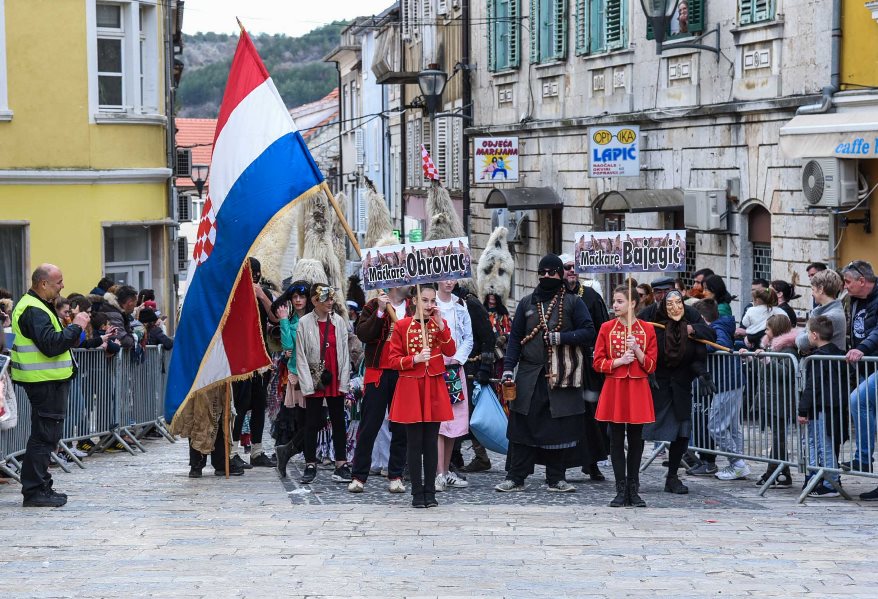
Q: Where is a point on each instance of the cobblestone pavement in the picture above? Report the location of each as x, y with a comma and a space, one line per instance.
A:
136, 526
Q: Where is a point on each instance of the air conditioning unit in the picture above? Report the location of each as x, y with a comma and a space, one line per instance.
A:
829, 182
705, 209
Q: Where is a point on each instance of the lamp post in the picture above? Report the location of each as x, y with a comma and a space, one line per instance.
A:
432, 83
659, 14
199, 176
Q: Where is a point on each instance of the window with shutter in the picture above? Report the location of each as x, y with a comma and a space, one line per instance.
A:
441, 156
456, 161
513, 51
442, 7
694, 24
615, 31
493, 31
597, 18
559, 29
182, 254
360, 146
755, 11
361, 209
426, 11
184, 212
410, 171
406, 17
535, 30
581, 25
426, 138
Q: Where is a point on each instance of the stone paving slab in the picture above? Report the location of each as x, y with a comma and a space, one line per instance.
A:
137, 526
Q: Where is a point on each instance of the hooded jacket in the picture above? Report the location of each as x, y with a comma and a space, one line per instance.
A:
822, 383
117, 318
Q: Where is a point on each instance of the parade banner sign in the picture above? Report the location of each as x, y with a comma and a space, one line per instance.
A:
614, 151
630, 251
416, 263
495, 159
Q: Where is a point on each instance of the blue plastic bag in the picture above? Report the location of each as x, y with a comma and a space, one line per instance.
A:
488, 422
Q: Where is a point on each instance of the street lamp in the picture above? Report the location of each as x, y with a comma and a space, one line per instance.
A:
199, 176
659, 14
432, 83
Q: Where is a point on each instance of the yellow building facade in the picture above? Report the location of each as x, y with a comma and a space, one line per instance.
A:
84, 142
859, 70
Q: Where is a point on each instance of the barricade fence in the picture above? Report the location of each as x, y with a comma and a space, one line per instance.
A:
754, 416
116, 399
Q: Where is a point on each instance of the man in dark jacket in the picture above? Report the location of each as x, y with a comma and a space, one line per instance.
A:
860, 283
593, 447
43, 365
480, 365
549, 331
373, 328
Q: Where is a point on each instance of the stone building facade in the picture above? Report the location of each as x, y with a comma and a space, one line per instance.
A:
546, 71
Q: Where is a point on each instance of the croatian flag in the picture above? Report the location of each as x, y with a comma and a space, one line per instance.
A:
259, 169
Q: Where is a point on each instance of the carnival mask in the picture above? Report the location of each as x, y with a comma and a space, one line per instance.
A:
674, 305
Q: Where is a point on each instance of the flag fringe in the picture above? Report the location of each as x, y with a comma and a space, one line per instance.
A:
279, 215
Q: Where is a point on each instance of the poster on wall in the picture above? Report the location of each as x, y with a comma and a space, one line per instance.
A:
495, 159
614, 151
415, 263
630, 251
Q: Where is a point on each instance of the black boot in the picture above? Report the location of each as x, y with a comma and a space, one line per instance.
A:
674, 485
621, 494
634, 499
283, 454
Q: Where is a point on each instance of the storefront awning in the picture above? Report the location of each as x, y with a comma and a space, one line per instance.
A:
851, 134
524, 198
639, 200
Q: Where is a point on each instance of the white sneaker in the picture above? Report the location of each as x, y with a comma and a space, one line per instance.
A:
733, 472
453, 480
440, 483
355, 486
605, 464
396, 486
78, 452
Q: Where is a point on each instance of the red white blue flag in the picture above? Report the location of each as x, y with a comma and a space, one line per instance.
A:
259, 169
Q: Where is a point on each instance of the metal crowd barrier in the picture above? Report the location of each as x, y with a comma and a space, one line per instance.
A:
839, 399
116, 399
752, 416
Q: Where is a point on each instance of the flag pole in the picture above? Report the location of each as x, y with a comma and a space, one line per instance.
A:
226, 409
629, 308
341, 218
421, 318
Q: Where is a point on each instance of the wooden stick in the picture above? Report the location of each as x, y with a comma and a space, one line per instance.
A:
704, 341
341, 218
421, 318
226, 410
628, 328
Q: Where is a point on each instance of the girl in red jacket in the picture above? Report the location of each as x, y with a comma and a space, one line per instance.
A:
421, 400
626, 353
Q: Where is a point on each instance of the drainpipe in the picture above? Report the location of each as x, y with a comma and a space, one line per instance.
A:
340, 129
835, 67
170, 142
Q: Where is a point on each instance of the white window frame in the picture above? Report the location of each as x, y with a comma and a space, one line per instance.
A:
5, 112
141, 87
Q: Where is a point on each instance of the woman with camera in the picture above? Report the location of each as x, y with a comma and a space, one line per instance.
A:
324, 372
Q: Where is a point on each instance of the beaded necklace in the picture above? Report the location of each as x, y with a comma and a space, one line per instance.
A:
545, 315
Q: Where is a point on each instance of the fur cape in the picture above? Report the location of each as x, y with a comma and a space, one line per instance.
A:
379, 224
318, 240
496, 266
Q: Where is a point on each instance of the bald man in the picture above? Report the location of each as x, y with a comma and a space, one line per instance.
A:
43, 365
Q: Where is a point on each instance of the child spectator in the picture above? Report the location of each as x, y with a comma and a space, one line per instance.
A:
153, 333
755, 318
821, 406
724, 416
626, 352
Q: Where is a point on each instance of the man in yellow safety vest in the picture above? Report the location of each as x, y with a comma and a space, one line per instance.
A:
43, 365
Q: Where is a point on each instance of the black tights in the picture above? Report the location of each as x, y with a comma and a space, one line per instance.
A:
617, 449
675, 454
422, 446
315, 420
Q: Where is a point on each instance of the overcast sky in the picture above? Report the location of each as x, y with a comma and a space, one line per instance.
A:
292, 17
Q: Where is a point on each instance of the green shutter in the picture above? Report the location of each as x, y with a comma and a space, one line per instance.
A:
650, 34
763, 10
535, 26
559, 29
597, 18
745, 12
696, 16
615, 29
581, 41
492, 36
514, 50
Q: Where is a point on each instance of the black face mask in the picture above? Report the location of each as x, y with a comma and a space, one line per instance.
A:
550, 284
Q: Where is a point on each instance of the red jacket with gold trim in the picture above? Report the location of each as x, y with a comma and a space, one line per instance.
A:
611, 344
407, 341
